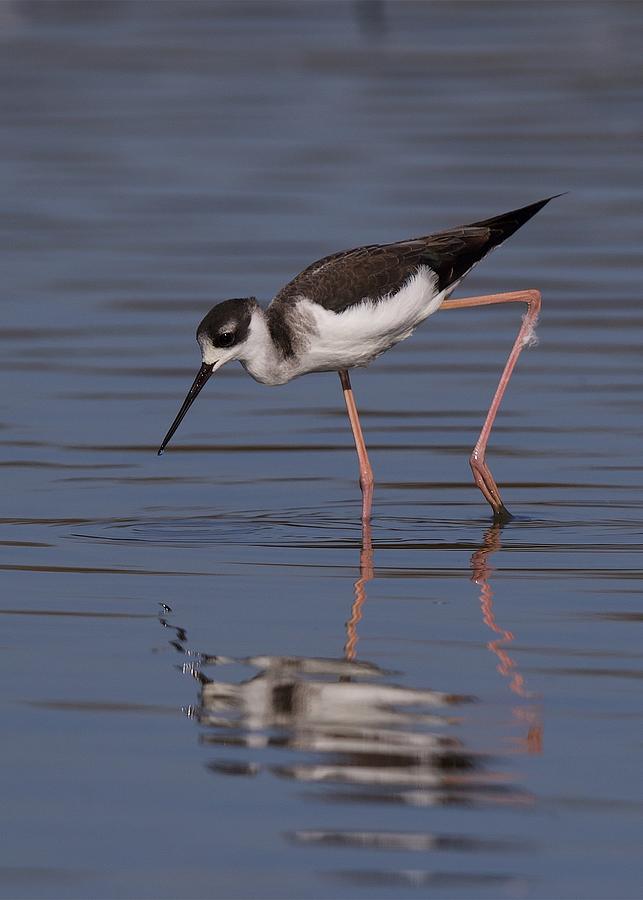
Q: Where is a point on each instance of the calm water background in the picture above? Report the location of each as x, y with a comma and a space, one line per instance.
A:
485, 740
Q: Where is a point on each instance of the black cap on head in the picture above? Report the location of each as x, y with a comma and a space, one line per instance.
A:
227, 323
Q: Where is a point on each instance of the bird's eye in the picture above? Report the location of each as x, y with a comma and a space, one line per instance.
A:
225, 339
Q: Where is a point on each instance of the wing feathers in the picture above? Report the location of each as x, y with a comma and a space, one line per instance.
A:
349, 277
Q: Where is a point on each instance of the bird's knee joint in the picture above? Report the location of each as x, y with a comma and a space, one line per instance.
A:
530, 319
534, 302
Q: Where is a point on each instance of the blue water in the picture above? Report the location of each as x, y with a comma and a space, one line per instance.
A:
209, 689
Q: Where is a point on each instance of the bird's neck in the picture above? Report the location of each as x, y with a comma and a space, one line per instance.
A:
263, 358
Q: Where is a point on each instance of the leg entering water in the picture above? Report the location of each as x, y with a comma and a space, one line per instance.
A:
366, 552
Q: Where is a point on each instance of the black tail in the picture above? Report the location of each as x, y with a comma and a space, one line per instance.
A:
503, 226
453, 253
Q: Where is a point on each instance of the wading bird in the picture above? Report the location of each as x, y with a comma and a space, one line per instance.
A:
348, 308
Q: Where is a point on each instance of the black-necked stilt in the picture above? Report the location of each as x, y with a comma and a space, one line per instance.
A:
348, 308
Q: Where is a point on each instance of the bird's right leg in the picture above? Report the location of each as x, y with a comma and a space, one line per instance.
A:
481, 472
366, 480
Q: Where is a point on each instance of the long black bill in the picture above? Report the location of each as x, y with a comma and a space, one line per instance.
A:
204, 373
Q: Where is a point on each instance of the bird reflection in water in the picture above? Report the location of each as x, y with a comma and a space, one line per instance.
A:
372, 740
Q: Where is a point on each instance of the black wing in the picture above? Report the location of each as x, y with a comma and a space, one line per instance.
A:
346, 278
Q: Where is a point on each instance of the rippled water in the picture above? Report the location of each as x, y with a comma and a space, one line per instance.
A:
211, 687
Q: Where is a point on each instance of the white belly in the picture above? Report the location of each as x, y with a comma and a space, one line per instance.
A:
361, 333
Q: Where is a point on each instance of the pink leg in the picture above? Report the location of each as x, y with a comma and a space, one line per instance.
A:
366, 483
481, 473
365, 470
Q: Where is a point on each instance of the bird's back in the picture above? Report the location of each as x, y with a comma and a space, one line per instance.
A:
372, 272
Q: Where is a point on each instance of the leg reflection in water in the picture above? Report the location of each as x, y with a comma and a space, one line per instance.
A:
481, 572
366, 573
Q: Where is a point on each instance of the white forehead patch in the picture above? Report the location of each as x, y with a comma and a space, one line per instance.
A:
208, 350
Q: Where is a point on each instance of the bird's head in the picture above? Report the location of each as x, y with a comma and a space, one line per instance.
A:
222, 336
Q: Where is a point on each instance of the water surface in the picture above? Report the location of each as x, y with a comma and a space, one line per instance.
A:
210, 688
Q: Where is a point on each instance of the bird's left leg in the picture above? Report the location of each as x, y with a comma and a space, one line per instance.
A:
366, 480
481, 473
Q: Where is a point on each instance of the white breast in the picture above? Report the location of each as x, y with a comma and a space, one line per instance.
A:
359, 334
